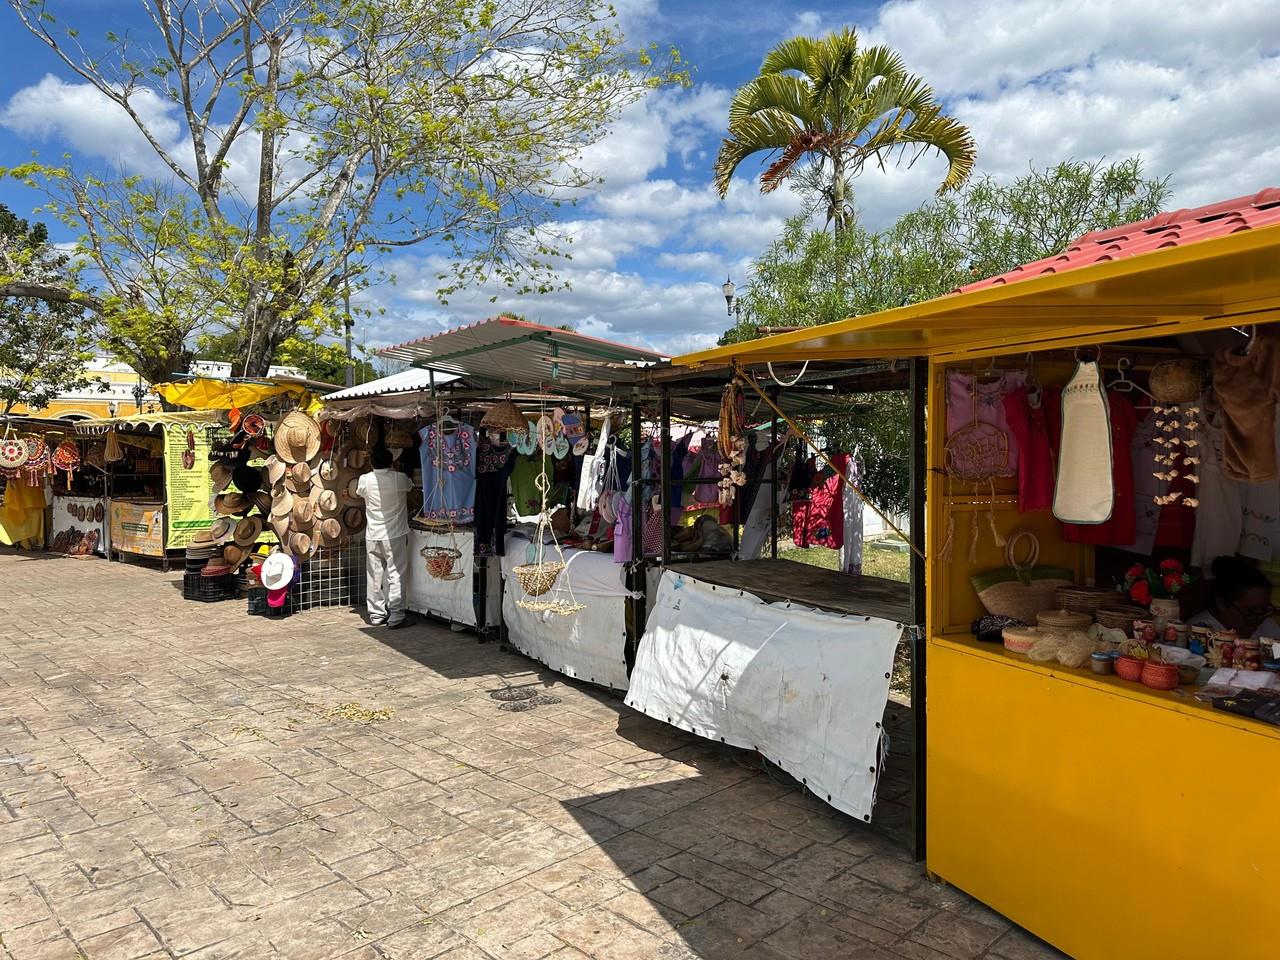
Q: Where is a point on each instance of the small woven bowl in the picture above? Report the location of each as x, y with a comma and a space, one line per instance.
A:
1020, 639
1129, 668
1159, 676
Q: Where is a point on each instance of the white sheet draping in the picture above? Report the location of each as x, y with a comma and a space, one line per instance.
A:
805, 688
589, 645
451, 600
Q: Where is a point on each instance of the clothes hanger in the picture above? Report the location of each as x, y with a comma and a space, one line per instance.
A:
1122, 383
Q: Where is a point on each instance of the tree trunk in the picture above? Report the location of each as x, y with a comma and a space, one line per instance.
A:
837, 210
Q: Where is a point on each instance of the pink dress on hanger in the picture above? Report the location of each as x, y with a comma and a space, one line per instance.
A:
968, 400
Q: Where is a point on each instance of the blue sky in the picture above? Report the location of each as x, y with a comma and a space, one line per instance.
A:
1189, 84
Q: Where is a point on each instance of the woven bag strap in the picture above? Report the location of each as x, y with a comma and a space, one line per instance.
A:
1033, 554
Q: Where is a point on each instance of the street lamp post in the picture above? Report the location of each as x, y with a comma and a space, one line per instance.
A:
731, 300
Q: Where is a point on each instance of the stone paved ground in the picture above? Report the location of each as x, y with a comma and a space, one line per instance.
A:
174, 783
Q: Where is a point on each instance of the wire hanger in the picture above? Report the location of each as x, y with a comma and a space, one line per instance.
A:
1122, 383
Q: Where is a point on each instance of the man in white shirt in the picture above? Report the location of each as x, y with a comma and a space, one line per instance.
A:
386, 538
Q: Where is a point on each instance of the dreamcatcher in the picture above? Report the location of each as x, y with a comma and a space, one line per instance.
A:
976, 453
538, 577
441, 559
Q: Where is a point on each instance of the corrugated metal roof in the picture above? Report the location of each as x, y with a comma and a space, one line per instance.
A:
516, 353
414, 378
1179, 228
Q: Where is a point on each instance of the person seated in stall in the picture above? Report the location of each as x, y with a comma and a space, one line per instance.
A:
1239, 600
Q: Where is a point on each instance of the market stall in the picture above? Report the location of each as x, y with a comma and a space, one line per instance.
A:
1101, 458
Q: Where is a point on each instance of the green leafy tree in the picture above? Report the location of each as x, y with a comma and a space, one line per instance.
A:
840, 107
811, 276
359, 127
44, 345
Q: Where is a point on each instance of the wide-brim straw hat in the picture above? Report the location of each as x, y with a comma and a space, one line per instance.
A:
304, 514
262, 501
220, 529
281, 528
235, 555
398, 438
282, 504
220, 475
330, 530
300, 544
247, 531
326, 501
328, 470
353, 519
357, 459
300, 473
348, 492
297, 437
230, 504
276, 469
504, 415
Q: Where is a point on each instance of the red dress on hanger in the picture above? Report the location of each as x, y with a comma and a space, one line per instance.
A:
819, 521
1035, 453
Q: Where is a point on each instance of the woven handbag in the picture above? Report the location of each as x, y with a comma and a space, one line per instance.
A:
1021, 589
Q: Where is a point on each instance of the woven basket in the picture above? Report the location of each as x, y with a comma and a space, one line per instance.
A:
440, 561
1177, 381
504, 415
1021, 589
1084, 599
1020, 639
1063, 621
1120, 616
537, 578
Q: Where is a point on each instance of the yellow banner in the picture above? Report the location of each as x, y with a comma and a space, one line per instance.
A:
187, 486
137, 528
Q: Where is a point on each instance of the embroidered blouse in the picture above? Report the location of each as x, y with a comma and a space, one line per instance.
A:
448, 473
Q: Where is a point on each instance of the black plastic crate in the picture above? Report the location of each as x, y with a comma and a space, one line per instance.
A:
258, 601
196, 586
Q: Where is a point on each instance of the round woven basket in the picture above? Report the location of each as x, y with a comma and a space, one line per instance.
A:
1063, 621
537, 578
1020, 639
1084, 599
1177, 381
440, 561
504, 415
1120, 616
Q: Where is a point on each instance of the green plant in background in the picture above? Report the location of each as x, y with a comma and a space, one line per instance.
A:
841, 107
356, 127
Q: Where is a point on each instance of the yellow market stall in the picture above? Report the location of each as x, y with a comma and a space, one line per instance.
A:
1108, 816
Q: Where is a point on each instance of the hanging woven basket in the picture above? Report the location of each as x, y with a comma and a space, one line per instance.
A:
440, 561
1177, 381
537, 578
504, 415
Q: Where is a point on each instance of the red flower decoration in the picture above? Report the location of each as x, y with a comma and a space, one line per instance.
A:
1141, 592
1172, 582
1136, 572
1170, 566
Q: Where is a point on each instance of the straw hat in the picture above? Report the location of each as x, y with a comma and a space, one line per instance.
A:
229, 504
353, 519
220, 475
282, 504
304, 514
300, 474
202, 537
325, 500
330, 530
297, 437
275, 468
300, 544
328, 470
349, 494
281, 528
235, 555
262, 501
503, 415
398, 438
221, 527
277, 571
247, 531
95, 456
357, 459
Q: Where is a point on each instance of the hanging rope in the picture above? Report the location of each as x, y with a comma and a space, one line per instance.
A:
827, 460
803, 367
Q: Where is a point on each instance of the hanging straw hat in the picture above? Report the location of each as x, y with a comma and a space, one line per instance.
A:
262, 501
353, 519
220, 475
348, 493
221, 527
275, 468
13, 453
300, 544
282, 504
357, 459
229, 504
325, 500
330, 530
297, 437
247, 531
503, 415
96, 456
304, 514
300, 474
280, 525
235, 555
328, 470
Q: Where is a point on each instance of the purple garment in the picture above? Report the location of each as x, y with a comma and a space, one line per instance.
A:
968, 401
709, 470
623, 535
448, 473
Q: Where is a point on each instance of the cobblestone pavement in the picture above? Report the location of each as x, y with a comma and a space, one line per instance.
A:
182, 780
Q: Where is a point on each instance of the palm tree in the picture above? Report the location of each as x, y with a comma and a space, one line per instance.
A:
827, 100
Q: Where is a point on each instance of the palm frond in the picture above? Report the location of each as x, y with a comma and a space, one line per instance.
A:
793, 54
928, 130
772, 91
805, 142
763, 131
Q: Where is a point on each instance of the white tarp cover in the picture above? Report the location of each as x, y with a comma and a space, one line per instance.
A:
803, 687
451, 600
589, 645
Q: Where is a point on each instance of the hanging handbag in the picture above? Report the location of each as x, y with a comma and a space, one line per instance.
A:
652, 529
594, 468
1020, 590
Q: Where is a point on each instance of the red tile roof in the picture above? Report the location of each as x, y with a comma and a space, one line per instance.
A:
1179, 228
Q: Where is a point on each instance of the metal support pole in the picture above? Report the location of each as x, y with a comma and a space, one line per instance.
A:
638, 577
773, 487
664, 476
919, 386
